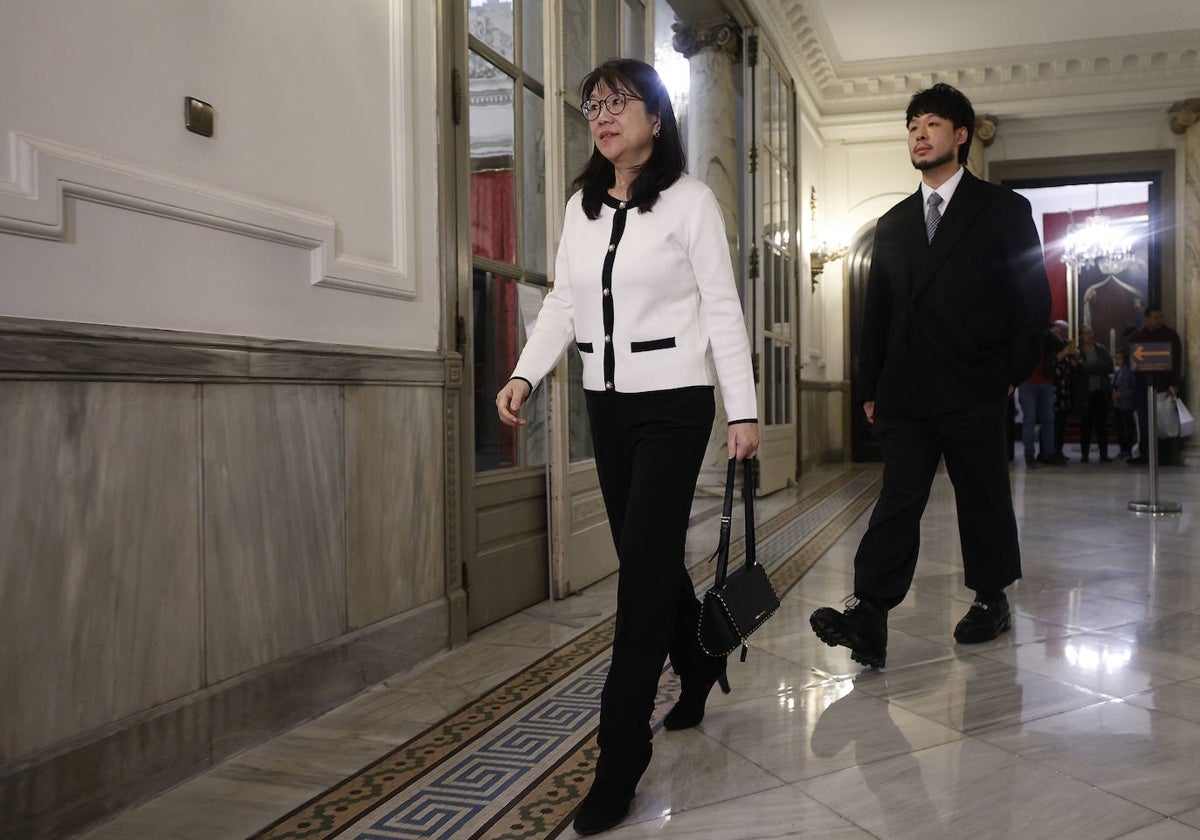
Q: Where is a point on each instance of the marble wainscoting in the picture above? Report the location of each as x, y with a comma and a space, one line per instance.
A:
824, 422
204, 540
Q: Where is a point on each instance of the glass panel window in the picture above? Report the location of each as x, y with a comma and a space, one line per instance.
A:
580, 440
504, 312
607, 21
534, 182
493, 204
635, 29
497, 344
531, 38
491, 21
578, 145
576, 45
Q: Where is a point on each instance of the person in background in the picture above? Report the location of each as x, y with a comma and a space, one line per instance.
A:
1123, 406
1095, 366
644, 288
1066, 360
1037, 403
1156, 331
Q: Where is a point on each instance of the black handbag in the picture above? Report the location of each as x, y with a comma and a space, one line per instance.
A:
740, 601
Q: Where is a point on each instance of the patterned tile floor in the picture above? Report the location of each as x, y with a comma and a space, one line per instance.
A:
1084, 722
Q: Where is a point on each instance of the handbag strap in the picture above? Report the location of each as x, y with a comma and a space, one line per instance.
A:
748, 504
722, 555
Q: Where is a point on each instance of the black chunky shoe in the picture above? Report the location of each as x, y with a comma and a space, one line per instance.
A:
693, 693
862, 627
984, 621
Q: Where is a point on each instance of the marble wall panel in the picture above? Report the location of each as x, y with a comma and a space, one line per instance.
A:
99, 555
274, 532
824, 422
395, 489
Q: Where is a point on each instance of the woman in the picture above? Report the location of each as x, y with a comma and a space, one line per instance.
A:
1095, 365
644, 286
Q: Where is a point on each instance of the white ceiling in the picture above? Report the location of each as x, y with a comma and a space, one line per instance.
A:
1032, 56
865, 30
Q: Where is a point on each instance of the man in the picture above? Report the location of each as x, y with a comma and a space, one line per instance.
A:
1155, 331
957, 300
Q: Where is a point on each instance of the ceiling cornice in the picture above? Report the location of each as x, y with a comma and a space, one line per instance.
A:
1066, 77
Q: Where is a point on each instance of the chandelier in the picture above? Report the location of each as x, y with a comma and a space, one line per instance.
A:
1097, 242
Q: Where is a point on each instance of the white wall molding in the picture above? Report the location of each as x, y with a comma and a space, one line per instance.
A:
44, 173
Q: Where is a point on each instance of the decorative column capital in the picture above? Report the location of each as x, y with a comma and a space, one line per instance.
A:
1184, 114
985, 129
725, 37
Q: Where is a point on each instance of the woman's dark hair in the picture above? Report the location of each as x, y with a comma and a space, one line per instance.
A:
949, 103
666, 162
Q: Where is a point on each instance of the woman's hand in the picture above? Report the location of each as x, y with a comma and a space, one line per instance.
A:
509, 401
743, 440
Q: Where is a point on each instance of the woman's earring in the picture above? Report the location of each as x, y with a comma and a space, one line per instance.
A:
657, 132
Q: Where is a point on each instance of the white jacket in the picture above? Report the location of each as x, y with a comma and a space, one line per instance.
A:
644, 296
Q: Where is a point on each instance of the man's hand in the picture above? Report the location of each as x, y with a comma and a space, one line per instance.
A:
869, 410
509, 401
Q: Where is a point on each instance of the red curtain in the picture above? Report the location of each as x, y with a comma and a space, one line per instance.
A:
493, 215
494, 236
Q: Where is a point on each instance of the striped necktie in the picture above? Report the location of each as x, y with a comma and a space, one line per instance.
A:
932, 216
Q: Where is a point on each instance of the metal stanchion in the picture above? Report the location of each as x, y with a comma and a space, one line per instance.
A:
1153, 504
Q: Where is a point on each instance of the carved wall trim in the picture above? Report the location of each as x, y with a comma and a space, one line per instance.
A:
45, 173
1184, 115
33, 349
985, 129
723, 38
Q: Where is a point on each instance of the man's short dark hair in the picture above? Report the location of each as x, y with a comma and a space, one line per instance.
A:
949, 103
1152, 308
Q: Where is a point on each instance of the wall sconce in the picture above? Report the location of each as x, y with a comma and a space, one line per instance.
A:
821, 253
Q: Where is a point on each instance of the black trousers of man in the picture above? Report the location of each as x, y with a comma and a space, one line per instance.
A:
649, 448
972, 442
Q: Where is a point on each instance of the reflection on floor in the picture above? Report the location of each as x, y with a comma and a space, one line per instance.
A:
1083, 722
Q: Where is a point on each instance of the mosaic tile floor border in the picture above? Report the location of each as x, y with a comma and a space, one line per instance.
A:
545, 809
355, 798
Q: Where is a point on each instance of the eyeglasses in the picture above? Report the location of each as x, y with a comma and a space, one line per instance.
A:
614, 102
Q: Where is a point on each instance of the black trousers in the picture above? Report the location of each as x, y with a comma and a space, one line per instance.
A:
1095, 418
973, 444
649, 448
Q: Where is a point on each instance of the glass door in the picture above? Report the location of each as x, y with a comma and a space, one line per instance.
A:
505, 110
771, 232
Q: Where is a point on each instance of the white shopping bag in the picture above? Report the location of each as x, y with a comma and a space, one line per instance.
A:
1172, 417
1187, 423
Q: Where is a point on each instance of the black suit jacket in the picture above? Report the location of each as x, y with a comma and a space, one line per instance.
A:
949, 325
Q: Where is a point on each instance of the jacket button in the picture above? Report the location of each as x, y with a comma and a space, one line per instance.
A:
608, 386
622, 205
607, 292
608, 339
612, 248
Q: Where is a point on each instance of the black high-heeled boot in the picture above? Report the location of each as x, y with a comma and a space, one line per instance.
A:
693, 694
607, 803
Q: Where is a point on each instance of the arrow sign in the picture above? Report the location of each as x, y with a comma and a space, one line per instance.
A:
1150, 357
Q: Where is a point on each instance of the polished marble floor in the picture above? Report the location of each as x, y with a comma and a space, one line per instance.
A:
1082, 723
